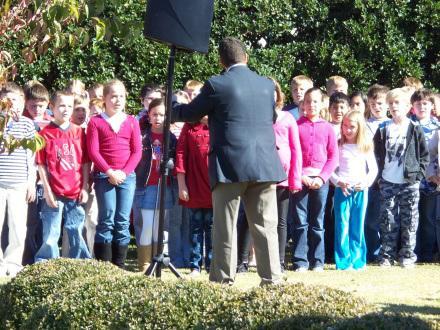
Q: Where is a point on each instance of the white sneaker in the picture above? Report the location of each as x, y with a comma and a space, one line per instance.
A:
194, 273
300, 270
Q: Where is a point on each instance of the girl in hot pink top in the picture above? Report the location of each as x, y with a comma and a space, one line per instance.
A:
319, 160
114, 145
289, 151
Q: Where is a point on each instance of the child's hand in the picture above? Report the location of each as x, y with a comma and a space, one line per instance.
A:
345, 187
359, 187
183, 193
83, 196
50, 198
316, 183
306, 180
115, 177
294, 191
121, 176
434, 179
30, 193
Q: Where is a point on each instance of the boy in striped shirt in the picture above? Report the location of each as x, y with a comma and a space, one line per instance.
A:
17, 182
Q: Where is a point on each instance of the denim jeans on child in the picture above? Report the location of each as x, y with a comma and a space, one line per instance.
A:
114, 207
73, 215
201, 232
308, 227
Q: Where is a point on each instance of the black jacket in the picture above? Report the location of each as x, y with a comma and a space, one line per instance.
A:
240, 107
416, 152
143, 169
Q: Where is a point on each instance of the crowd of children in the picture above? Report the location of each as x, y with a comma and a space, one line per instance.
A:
362, 177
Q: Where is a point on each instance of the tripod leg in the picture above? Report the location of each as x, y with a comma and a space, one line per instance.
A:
150, 271
174, 270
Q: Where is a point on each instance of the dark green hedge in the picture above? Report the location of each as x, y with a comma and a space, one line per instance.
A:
73, 294
366, 41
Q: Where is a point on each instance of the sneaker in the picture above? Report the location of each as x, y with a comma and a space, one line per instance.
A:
242, 268
300, 269
318, 269
407, 263
385, 263
194, 273
283, 267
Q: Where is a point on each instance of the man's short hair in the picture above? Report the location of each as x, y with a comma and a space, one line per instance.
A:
231, 51
34, 90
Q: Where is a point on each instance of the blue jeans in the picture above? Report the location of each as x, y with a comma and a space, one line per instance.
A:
73, 215
426, 242
372, 224
114, 207
308, 227
201, 231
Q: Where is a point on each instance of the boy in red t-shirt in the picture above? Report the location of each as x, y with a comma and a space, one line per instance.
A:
64, 168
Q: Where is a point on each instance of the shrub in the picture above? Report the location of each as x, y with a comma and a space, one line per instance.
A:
89, 294
37, 282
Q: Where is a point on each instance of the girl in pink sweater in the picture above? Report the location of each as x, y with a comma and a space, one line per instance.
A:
289, 150
319, 160
114, 145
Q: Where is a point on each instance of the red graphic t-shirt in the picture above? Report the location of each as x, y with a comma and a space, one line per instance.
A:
64, 154
156, 142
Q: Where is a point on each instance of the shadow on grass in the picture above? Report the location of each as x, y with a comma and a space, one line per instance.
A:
402, 308
383, 321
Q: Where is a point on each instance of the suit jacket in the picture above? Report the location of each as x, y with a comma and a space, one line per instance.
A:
240, 106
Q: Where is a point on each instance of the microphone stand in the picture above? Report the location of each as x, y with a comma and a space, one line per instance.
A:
163, 260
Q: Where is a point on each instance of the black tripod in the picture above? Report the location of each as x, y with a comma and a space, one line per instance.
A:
161, 260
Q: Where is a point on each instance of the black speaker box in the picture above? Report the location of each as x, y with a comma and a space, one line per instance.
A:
185, 24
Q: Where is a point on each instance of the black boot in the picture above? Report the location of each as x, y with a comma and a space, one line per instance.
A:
119, 255
103, 251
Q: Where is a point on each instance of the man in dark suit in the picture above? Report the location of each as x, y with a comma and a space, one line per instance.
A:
243, 161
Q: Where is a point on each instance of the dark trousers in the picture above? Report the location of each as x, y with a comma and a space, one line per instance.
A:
243, 237
283, 196
372, 224
34, 231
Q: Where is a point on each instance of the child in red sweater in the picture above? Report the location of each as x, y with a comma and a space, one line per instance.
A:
114, 144
194, 191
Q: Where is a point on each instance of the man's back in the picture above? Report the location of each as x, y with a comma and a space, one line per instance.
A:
240, 107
